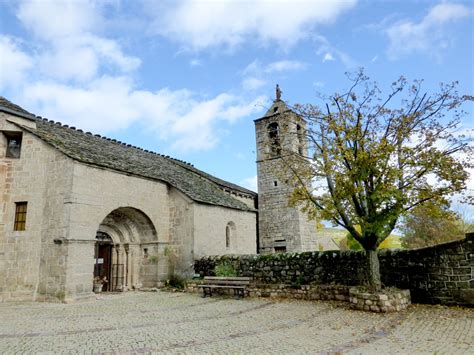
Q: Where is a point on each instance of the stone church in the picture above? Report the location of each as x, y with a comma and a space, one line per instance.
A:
75, 206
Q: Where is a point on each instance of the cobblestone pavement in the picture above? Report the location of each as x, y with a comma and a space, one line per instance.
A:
164, 322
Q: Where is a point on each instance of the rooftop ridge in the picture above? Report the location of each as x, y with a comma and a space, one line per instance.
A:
112, 140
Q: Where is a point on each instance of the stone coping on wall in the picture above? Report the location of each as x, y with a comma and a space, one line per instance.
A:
386, 300
390, 301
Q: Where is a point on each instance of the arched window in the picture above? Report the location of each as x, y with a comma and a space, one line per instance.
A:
274, 136
229, 234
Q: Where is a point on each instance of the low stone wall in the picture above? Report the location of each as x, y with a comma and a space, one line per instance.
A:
443, 274
344, 268
440, 274
304, 292
388, 300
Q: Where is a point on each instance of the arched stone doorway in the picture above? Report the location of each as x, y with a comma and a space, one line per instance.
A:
126, 241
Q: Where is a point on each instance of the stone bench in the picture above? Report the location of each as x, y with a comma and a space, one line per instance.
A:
237, 284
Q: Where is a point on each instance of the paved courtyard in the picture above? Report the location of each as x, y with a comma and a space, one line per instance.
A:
164, 322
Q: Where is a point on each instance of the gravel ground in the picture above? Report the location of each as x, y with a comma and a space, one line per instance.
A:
163, 322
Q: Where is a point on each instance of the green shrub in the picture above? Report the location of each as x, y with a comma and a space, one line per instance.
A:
176, 281
153, 259
225, 269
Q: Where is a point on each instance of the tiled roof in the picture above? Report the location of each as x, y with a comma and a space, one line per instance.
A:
107, 153
13, 107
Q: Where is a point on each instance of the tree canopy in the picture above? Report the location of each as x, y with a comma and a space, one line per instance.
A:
430, 224
374, 157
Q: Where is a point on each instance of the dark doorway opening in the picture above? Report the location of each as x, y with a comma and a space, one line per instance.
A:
103, 259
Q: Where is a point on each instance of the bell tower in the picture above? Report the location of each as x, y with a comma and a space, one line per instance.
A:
282, 228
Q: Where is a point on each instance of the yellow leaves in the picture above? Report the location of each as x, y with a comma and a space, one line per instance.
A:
391, 242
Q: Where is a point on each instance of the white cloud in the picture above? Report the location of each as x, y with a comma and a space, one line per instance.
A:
86, 80
256, 74
258, 69
112, 103
252, 83
67, 48
53, 19
328, 57
197, 25
284, 65
14, 63
195, 63
102, 106
429, 35
250, 183
329, 52
80, 58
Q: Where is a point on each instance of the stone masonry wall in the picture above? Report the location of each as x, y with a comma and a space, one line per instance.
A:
210, 231
22, 252
280, 225
441, 274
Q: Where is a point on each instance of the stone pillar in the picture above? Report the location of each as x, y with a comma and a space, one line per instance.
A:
126, 270
118, 272
79, 269
136, 257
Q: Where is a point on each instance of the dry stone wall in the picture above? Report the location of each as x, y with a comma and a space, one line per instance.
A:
441, 274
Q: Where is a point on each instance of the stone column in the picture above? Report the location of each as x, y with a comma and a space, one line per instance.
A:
118, 250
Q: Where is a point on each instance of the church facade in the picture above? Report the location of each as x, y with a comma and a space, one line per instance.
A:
76, 206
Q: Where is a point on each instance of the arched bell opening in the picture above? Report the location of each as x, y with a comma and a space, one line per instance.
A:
125, 239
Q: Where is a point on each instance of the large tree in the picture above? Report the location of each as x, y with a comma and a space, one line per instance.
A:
432, 223
374, 157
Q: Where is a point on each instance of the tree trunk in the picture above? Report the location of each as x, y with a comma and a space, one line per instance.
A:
374, 270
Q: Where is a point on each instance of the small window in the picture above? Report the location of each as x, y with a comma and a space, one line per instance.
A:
275, 183
299, 133
229, 234
13, 145
280, 249
20, 216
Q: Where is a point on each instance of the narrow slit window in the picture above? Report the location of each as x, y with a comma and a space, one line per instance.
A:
299, 132
20, 216
229, 234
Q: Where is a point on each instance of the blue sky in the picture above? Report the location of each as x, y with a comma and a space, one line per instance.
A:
187, 79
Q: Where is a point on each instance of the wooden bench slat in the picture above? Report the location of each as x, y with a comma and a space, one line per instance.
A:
238, 284
227, 283
227, 278
220, 286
